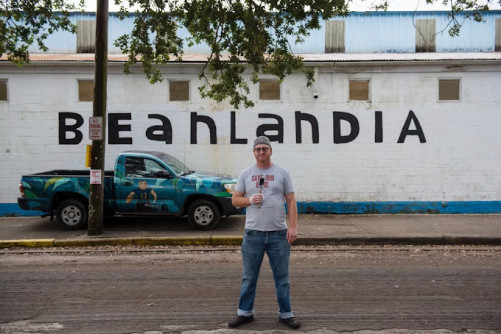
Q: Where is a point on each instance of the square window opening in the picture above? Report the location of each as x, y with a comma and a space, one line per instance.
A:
448, 90
86, 90
359, 90
179, 90
269, 90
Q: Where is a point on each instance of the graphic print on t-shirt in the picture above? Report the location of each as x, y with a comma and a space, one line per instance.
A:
267, 178
262, 182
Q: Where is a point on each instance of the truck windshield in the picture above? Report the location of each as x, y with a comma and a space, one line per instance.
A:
177, 166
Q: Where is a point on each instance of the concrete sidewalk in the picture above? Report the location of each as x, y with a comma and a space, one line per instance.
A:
391, 229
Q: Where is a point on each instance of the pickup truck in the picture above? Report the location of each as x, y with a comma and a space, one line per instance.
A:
142, 183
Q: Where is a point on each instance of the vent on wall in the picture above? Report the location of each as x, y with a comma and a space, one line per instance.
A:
86, 36
334, 36
425, 35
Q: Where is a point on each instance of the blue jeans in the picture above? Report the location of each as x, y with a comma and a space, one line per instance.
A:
254, 245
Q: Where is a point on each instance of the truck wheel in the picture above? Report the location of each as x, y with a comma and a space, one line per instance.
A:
203, 214
71, 214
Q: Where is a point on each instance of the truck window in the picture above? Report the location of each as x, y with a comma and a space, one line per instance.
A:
141, 167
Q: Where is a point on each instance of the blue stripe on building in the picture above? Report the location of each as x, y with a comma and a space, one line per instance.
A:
454, 207
432, 207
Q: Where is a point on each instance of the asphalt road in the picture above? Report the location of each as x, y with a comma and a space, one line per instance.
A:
171, 290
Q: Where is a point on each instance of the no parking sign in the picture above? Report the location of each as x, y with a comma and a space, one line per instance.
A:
96, 128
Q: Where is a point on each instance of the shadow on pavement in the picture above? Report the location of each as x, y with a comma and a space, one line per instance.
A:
155, 226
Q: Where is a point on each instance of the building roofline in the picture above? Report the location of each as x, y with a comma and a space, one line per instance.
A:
85, 58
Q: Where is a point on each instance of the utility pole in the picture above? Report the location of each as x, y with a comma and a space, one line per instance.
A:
96, 195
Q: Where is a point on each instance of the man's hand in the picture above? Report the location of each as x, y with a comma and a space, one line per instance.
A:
256, 199
291, 235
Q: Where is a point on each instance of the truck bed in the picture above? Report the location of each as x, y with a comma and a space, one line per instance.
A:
71, 172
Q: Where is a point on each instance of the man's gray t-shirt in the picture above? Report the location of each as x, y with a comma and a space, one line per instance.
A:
270, 216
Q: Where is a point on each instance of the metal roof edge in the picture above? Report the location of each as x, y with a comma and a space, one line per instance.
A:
41, 59
401, 57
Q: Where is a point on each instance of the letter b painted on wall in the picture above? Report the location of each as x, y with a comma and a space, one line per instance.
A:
69, 133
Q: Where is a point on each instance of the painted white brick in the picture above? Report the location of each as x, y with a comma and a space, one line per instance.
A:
460, 160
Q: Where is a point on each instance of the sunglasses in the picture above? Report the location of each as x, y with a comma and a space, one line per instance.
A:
263, 149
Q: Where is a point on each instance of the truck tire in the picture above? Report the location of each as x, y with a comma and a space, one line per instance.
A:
203, 214
71, 214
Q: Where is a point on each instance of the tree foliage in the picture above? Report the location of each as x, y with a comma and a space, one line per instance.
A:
242, 35
26, 22
459, 11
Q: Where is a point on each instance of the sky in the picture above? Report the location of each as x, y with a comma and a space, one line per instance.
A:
357, 5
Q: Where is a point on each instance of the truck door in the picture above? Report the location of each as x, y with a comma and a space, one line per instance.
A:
147, 187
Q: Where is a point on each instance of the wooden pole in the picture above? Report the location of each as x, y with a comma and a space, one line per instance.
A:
96, 195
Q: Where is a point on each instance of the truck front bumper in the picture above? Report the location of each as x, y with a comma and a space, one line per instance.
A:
228, 208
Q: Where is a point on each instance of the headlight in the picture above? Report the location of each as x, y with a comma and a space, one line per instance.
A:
229, 187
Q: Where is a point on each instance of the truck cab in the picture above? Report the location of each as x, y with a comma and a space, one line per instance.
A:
143, 183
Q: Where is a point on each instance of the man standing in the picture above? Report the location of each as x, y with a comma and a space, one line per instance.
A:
262, 188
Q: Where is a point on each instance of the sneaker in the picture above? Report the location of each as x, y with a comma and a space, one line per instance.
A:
291, 322
240, 320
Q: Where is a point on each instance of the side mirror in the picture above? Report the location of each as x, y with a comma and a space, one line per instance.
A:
164, 174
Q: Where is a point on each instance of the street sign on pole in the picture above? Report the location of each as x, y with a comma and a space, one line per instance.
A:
96, 128
95, 176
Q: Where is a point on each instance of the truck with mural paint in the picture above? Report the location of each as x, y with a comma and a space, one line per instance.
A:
142, 183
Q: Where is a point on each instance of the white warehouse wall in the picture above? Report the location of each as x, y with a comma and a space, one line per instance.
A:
460, 160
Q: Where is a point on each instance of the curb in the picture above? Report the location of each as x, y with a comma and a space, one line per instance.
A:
139, 241
27, 243
237, 241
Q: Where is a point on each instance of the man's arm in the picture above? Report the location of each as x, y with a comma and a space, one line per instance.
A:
239, 200
290, 198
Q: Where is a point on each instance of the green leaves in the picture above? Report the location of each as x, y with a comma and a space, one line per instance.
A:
470, 10
459, 11
246, 38
153, 40
241, 35
25, 22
